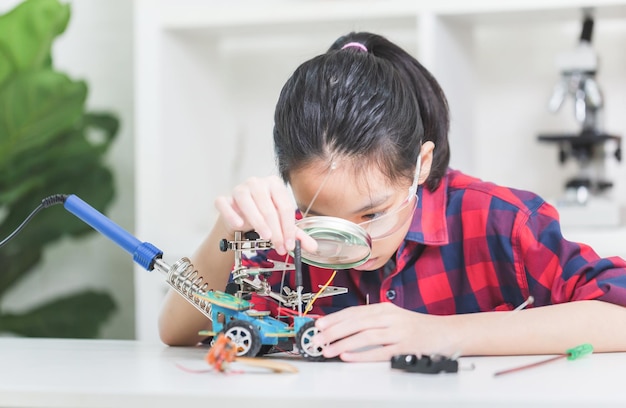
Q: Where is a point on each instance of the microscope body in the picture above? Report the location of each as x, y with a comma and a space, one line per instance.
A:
591, 147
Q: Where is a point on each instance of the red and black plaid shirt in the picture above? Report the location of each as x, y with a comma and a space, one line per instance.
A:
473, 246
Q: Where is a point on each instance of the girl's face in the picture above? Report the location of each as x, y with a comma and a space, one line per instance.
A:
356, 196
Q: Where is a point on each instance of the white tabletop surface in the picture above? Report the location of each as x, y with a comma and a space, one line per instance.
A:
118, 373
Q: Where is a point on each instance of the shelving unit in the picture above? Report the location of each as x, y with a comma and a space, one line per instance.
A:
208, 75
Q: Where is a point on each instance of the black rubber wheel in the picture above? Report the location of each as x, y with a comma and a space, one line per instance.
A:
245, 336
304, 343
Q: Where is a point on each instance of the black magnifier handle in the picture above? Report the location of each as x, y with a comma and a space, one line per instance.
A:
297, 258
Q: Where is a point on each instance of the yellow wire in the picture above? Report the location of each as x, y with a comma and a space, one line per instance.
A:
309, 305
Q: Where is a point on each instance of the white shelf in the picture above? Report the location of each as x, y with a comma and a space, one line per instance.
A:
208, 75
193, 14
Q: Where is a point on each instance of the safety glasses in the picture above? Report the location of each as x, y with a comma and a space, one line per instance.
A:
344, 244
390, 222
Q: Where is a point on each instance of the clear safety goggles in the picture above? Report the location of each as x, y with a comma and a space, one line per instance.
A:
343, 244
390, 222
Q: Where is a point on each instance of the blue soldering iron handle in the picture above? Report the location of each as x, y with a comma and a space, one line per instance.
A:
144, 253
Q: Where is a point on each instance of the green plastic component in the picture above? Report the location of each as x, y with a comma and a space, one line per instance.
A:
225, 300
579, 351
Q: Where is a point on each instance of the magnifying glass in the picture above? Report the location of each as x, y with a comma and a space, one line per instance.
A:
341, 244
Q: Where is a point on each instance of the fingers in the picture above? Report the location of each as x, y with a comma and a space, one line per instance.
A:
379, 353
225, 206
351, 329
308, 244
367, 345
256, 204
351, 320
365, 333
265, 206
282, 216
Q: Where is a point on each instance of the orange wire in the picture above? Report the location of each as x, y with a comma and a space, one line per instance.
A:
309, 305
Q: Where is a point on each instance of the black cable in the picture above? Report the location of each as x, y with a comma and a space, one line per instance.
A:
45, 203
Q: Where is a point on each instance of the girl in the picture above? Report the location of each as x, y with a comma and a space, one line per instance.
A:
355, 129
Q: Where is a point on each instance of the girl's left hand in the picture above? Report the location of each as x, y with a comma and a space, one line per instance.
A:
379, 331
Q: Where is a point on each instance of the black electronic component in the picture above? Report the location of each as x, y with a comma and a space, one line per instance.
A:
433, 364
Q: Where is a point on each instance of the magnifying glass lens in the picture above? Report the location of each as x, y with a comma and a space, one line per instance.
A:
340, 244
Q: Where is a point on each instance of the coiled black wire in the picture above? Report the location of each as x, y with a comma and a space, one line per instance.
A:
45, 203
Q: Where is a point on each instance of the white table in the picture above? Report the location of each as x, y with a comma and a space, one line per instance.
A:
116, 373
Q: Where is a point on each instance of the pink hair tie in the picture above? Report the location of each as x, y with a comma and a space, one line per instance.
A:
355, 45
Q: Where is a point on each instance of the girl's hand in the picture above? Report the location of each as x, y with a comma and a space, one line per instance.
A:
265, 206
379, 331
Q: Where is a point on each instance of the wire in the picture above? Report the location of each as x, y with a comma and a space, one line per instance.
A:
333, 166
45, 203
570, 354
309, 305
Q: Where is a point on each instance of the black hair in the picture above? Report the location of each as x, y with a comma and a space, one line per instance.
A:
379, 104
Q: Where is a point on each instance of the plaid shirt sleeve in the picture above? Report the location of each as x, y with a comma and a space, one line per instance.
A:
559, 271
508, 244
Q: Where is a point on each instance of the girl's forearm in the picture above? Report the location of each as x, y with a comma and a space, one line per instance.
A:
180, 322
542, 330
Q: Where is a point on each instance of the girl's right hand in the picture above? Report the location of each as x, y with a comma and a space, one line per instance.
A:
265, 206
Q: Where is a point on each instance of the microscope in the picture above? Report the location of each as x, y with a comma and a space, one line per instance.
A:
591, 147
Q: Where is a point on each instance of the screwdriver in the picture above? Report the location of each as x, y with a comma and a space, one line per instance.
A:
571, 354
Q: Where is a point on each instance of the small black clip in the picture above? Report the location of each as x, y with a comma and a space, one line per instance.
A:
433, 364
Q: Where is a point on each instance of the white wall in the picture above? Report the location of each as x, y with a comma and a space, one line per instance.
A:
97, 47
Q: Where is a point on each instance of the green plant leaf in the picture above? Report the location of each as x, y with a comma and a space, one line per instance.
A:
27, 33
103, 121
15, 263
42, 167
35, 107
78, 315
